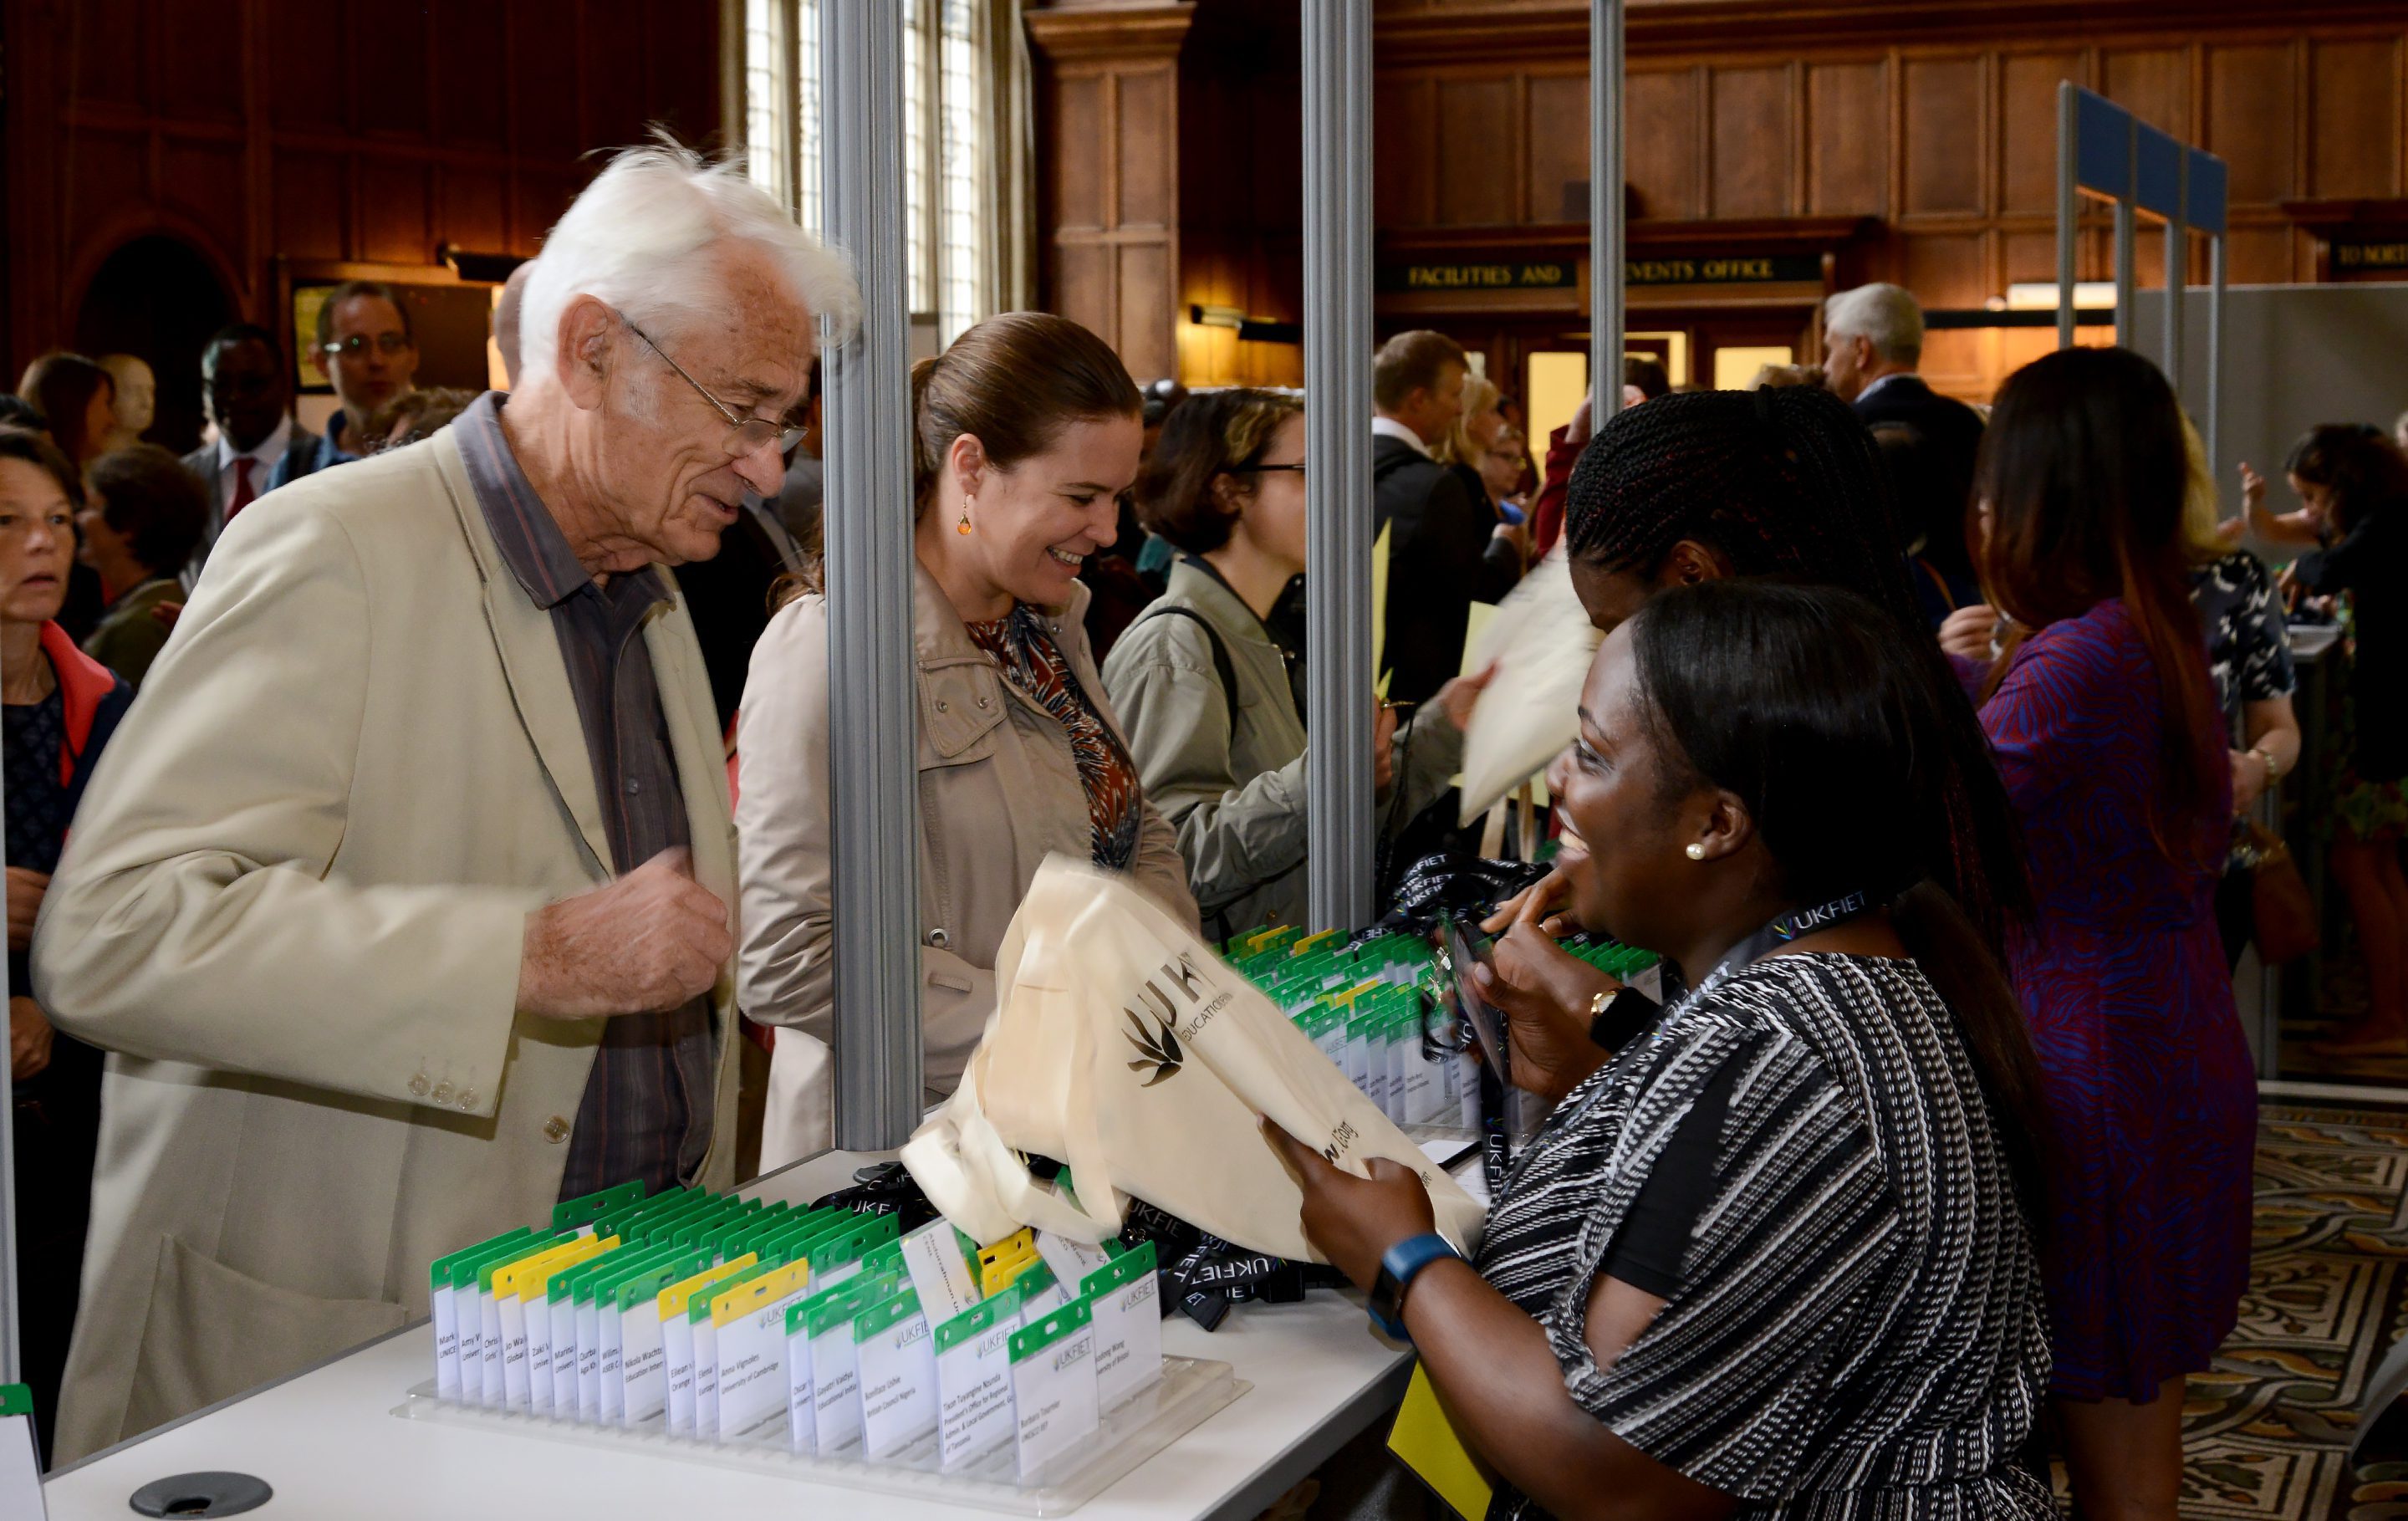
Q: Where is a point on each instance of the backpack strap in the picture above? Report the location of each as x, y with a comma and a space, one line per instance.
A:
1220, 662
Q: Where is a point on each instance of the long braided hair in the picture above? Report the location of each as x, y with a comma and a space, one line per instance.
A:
1786, 483
1782, 479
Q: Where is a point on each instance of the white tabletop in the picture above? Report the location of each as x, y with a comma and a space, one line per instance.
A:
326, 1440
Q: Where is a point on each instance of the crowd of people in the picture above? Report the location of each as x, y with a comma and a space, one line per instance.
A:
478, 782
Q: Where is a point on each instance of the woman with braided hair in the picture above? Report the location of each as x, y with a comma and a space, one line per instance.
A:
1778, 482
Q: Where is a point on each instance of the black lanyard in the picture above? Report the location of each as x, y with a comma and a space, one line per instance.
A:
1784, 930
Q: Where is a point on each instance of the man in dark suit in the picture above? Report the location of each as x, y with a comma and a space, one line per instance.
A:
248, 393
1446, 547
1873, 340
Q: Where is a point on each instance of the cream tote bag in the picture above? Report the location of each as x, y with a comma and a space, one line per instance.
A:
1123, 1047
1542, 643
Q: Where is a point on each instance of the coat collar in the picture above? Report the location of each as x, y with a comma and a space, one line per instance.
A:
939, 635
1195, 584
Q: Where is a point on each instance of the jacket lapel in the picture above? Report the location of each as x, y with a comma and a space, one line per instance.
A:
532, 664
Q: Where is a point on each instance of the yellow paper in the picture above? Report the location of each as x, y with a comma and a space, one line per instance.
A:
1424, 1440
756, 1293
536, 1286
675, 1299
1380, 606
511, 1282
1475, 623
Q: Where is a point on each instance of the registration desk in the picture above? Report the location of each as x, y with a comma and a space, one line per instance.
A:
326, 1440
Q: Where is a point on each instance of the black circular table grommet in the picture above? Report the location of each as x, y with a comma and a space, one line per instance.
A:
201, 1495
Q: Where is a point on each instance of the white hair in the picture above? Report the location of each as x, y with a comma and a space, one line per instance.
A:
645, 236
1886, 316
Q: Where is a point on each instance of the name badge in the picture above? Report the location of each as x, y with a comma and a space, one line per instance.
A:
974, 1380
896, 1364
1126, 1301
1054, 1386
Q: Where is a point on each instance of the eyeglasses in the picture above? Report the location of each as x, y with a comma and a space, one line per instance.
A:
357, 344
746, 433
1266, 469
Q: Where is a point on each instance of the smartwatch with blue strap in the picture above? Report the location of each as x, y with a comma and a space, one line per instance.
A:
1399, 1267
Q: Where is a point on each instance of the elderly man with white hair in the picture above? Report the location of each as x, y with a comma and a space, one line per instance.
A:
403, 902
1873, 340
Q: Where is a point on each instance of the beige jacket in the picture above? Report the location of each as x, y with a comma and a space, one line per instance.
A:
291, 908
998, 793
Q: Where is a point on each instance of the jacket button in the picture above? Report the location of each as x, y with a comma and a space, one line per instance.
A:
986, 702
442, 1093
417, 1085
555, 1130
941, 708
938, 938
468, 1098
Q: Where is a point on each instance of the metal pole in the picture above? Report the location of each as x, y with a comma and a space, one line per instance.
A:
1605, 208
872, 675
2068, 206
1337, 437
2177, 274
2127, 225
2215, 352
13, 1367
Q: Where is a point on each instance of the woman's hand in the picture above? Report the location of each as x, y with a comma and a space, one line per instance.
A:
1353, 1221
2250, 777
2253, 493
1458, 698
1383, 748
1545, 993
1968, 632
29, 1037
25, 891
1543, 901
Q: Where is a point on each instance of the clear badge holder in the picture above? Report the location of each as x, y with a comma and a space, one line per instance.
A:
1189, 1391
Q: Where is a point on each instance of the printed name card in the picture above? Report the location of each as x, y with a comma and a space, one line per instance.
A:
1053, 1386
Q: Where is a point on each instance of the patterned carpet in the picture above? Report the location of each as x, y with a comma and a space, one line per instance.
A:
2268, 1427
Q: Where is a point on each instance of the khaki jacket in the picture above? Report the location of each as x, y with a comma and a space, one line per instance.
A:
998, 793
1234, 783
292, 909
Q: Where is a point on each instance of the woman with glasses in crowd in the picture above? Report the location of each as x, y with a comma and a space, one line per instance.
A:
1212, 696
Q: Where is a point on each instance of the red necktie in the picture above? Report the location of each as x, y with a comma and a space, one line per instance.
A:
243, 494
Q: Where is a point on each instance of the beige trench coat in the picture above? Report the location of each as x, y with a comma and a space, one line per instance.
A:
291, 908
998, 793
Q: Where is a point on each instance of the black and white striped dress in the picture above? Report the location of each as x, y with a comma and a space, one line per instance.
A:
1858, 1328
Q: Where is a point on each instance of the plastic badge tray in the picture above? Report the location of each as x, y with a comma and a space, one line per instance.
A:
1148, 1421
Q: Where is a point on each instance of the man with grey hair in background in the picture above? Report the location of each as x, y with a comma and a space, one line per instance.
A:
402, 903
1872, 342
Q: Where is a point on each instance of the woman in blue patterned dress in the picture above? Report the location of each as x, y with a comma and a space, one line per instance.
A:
2108, 735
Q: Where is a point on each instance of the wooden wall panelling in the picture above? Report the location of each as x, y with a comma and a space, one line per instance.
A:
2354, 131
2252, 118
1749, 151
1945, 134
1146, 115
1847, 138
1475, 155
283, 127
1404, 152
1663, 155
2026, 145
1555, 126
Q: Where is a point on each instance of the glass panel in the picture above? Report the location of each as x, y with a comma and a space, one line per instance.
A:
961, 242
765, 131
1559, 381
1735, 368
806, 94
918, 208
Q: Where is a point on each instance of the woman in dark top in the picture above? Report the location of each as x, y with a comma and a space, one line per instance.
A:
2356, 487
57, 709
1772, 1256
1781, 482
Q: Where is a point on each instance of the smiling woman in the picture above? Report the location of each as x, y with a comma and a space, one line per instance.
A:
1026, 433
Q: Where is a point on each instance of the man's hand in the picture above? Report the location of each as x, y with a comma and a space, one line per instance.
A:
29, 1038
25, 890
2251, 775
648, 942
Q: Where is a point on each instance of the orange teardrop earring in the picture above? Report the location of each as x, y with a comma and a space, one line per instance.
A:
963, 527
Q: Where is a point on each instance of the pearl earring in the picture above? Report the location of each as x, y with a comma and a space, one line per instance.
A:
1696, 851
963, 527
